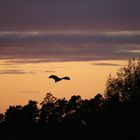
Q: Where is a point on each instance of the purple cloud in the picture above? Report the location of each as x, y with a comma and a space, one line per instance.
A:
38, 47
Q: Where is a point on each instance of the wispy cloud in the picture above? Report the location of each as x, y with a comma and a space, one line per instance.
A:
70, 37
15, 72
29, 91
50, 71
105, 64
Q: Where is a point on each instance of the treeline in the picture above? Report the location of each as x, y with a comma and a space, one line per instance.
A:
113, 115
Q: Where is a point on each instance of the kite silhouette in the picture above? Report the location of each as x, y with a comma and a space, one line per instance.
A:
57, 79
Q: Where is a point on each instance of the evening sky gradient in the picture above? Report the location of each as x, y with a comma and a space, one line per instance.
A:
83, 39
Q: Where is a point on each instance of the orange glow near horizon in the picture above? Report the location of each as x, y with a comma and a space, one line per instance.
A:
87, 80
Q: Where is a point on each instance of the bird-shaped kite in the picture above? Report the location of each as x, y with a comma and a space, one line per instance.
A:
57, 79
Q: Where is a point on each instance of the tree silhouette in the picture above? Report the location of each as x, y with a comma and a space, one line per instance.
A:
30, 112
49, 98
14, 116
1, 117
125, 86
48, 105
122, 99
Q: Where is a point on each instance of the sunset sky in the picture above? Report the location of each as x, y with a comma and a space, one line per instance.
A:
83, 39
